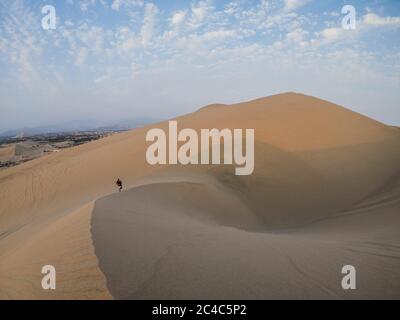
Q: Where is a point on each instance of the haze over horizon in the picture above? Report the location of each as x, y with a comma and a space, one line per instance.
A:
113, 59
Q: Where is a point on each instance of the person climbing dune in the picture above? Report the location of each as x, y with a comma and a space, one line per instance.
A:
119, 184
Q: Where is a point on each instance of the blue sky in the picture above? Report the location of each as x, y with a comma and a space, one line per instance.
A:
117, 59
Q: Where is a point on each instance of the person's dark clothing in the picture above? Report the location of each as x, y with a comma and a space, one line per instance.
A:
119, 184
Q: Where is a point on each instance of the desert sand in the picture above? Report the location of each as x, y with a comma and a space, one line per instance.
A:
325, 193
7, 152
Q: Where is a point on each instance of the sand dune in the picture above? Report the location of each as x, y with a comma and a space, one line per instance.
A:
188, 254
324, 193
7, 152
64, 243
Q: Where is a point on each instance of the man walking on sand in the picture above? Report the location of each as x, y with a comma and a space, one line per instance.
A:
119, 184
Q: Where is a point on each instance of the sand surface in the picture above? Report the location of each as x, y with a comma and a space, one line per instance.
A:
65, 244
182, 247
7, 152
325, 193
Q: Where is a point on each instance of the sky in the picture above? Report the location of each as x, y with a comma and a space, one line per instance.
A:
110, 60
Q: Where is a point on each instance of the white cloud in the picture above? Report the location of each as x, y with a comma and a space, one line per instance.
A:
104, 3
175, 21
149, 21
127, 45
69, 23
219, 35
178, 18
297, 36
85, 4
331, 34
125, 41
291, 5
117, 4
81, 56
373, 19
199, 13
369, 20
231, 8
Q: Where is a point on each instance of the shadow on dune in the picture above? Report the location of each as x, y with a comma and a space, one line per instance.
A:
143, 237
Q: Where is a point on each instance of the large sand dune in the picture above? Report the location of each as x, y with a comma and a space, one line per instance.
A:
325, 193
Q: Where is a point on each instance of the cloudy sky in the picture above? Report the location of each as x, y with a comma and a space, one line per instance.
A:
116, 59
